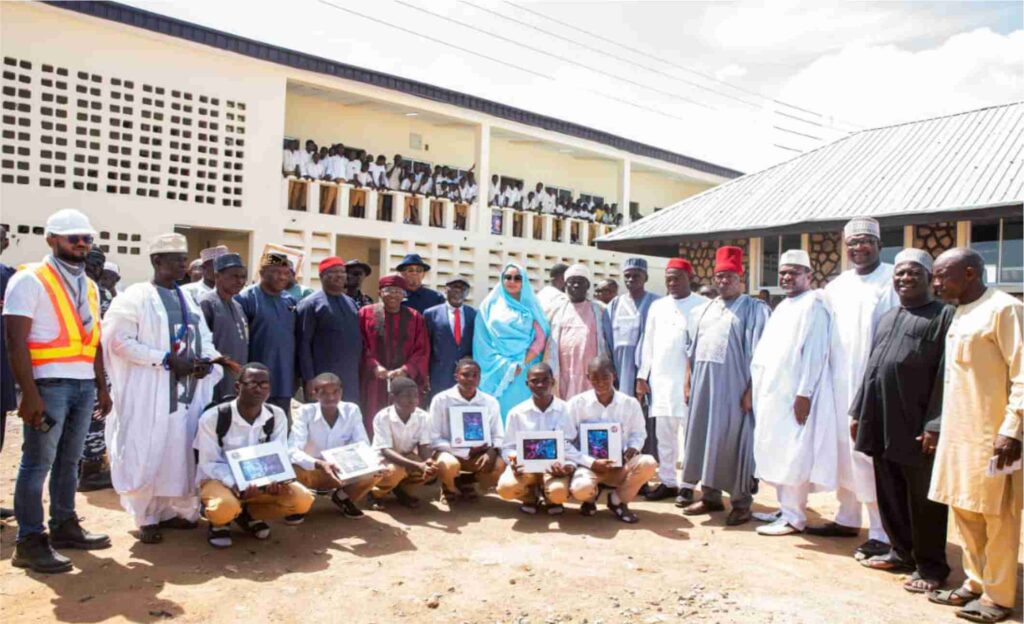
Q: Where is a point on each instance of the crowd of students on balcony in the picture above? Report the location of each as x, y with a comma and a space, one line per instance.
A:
356, 167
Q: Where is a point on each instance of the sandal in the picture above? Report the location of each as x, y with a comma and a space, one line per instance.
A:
449, 498
976, 611
622, 512
922, 586
958, 597
889, 562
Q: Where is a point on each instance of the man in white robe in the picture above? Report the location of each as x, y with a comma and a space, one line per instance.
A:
553, 295
795, 436
858, 298
662, 374
162, 375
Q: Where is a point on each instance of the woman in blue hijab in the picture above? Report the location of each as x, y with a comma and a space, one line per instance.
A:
509, 337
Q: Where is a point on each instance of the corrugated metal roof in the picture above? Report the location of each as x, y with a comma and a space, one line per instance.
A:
963, 162
156, 22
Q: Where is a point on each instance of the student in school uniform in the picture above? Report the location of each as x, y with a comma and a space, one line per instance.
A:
543, 411
353, 166
244, 422
482, 463
401, 433
494, 193
321, 426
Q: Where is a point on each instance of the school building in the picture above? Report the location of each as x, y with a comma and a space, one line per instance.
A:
149, 124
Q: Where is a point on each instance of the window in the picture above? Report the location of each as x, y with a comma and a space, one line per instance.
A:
771, 248
1001, 244
892, 243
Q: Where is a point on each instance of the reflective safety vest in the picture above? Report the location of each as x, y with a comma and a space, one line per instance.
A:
72, 344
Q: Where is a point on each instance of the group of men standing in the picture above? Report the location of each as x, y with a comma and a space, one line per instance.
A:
901, 404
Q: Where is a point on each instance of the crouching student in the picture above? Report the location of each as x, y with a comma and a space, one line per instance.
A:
541, 412
401, 433
246, 421
482, 463
321, 426
605, 404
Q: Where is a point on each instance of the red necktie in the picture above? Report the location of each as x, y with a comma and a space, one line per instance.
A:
458, 328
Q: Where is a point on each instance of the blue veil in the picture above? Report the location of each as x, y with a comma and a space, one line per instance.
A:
502, 335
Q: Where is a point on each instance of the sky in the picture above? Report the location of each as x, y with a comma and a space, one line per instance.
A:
740, 84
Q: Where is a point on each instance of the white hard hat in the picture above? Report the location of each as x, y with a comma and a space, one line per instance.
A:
67, 222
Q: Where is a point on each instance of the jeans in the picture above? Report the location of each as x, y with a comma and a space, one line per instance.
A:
69, 402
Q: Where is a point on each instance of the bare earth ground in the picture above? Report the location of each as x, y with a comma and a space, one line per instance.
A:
483, 563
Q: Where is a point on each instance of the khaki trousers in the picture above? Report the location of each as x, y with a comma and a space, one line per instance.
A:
990, 547
523, 488
450, 466
396, 476
317, 480
627, 480
222, 506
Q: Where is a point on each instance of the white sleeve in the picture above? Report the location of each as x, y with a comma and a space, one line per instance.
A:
439, 434
358, 430
511, 433
22, 296
647, 347
213, 463
121, 330
570, 425
382, 432
634, 422
299, 437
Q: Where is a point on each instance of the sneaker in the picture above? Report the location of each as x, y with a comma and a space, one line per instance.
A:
35, 553
70, 534
294, 519
347, 507
257, 528
219, 537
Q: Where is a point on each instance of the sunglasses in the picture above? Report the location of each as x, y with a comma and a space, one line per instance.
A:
414, 269
75, 239
514, 278
262, 385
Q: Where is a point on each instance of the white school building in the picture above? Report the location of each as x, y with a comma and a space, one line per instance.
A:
149, 124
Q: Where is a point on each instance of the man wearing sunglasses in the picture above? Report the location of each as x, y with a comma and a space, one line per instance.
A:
417, 296
52, 317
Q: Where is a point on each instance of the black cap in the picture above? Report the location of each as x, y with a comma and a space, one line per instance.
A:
351, 264
228, 261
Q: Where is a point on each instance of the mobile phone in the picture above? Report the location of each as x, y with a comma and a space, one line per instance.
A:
47, 423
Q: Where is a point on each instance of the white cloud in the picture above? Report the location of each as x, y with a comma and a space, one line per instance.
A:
884, 84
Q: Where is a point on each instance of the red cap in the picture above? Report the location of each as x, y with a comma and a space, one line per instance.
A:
393, 279
730, 259
330, 262
680, 263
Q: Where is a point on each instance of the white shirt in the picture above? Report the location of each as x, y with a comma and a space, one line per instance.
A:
302, 157
667, 336
364, 178
528, 417
352, 167
26, 297
427, 185
470, 192
379, 174
402, 437
213, 461
440, 428
585, 408
313, 170
196, 290
405, 185
395, 178
311, 435
289, 162
494, 193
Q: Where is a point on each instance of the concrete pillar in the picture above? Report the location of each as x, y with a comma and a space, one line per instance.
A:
584, 233
449, 215
528, 222
423, 218
312, 197
344, 197
625, 172
480, 219
371, 204
507, 214
285, 185
549, 227
398, 207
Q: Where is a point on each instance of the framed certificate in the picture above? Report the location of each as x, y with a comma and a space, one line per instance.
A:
469, 426
538, 450
602, 441
261, 464
353, 460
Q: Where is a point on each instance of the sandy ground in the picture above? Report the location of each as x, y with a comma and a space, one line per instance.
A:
484, 562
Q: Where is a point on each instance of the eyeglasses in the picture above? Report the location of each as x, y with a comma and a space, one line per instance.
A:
393, 290
513, 278
414, 269
262, 385
74, 239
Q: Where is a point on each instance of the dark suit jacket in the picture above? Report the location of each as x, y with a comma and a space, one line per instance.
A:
443, 351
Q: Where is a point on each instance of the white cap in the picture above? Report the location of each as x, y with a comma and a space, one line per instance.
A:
796, 257
112, 267
862, 225
578, 270
914, 255
67, 222
168, 243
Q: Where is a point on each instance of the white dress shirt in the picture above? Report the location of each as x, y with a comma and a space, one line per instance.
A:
313, 170
364, 178
402, 437
495, 192
289, 162
379, 174
213, 460
440, 427
528, 417
585, 408
311, 435
352, 168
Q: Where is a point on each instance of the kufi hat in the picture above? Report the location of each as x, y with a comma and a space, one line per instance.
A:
577, 270
168, 243
862, 225
212, 253
797, 257
228, 261
634, 263
915, 255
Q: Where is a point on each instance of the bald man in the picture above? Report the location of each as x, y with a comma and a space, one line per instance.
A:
982, 407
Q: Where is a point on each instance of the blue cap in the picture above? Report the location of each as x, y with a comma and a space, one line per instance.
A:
634, 263
412, 260
228, 261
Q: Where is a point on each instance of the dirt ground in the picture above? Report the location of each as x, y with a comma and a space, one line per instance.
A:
483, 563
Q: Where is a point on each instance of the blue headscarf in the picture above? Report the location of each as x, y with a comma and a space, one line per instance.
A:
502, 335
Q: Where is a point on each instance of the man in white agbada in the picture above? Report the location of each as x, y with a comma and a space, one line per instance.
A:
662, 374
196, 290
159, 356
857, 298
795, 436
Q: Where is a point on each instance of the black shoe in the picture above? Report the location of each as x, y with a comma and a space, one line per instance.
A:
150, 534
257, 528
406, 499
347, 507
588, 509
661, 492
35, 553
832, 529
94, 479
294, 519
871, 548
70, 534
6, 513
685, 498
644, 489
179, 524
